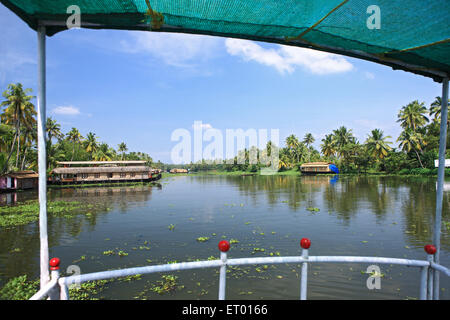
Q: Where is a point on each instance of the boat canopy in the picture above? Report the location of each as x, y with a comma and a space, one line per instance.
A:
411, 35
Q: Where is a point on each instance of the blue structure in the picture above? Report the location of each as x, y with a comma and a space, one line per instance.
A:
333, 168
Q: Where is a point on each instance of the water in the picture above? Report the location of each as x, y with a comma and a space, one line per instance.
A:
370, 216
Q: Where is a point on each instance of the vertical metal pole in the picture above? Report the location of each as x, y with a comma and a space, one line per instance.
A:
54, 294
223, 273
304, 276
64, 291
430, 279
42, 158
423, 283
440, 182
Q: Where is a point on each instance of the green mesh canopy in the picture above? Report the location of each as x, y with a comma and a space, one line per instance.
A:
414, 35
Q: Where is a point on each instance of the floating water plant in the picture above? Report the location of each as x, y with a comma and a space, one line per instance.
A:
313, 209
171, 227
109, 253
168, 284
202, 239
233, 241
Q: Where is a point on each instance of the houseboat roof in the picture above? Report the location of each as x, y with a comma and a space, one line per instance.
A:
27, 174
315, 164
77, 170
68, 163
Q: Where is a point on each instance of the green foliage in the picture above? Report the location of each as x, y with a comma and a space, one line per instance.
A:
19, 288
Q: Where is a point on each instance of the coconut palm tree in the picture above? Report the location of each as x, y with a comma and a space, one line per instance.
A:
91, 144
103, 153
29, 138
377, 144
308, 139
342, 137
53, 129
293, 145
122, 148
411, 140
435, 109
413, 115
327, 147
75, 137
19, 112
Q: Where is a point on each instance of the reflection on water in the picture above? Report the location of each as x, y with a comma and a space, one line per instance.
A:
378, 216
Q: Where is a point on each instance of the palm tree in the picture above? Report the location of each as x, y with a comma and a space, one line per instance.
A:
91, 144
377, 144
122, 148
411, 140
75, 137
435, 109
19, 113
53, 129
327, 147
308, 139
29, 137
342, 137
103, 153
293, 145
413, 115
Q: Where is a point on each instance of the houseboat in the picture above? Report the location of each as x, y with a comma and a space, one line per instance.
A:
102, 171
179, 170
318, 167
20, 180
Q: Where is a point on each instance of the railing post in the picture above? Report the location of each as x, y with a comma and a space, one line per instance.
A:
54, 293
224, 246
430, 250
305, 243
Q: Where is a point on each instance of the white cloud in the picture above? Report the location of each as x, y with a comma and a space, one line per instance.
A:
287, 59
175, 49
66, 111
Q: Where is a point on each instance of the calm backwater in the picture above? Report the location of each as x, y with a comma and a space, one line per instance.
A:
267, 215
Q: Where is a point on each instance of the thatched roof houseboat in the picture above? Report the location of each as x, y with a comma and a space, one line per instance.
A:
318, 167
102, 171
179, 170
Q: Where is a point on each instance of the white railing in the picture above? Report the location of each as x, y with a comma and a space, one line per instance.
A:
57, 288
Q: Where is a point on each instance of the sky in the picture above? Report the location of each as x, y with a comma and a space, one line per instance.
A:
139, 87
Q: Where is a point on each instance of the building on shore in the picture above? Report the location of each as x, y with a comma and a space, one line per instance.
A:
318, 167
19, 180
102, 171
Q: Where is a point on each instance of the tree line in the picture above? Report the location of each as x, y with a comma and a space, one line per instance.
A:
18, 138
418, 144
418, 147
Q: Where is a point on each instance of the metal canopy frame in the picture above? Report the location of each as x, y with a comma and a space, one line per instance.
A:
436, 75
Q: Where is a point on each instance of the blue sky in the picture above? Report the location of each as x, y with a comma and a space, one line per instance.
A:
138, 87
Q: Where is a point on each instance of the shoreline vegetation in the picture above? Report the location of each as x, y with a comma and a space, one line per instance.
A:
418, 145
293, 172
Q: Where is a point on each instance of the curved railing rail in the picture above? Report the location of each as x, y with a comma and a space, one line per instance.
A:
57, 288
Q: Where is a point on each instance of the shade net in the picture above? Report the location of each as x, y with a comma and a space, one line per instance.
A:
413, 35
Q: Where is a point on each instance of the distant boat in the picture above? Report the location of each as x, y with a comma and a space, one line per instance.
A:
318, 167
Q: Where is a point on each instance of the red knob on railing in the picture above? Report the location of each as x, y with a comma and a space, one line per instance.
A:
305, 243
430, 249
224, 246
54, 264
